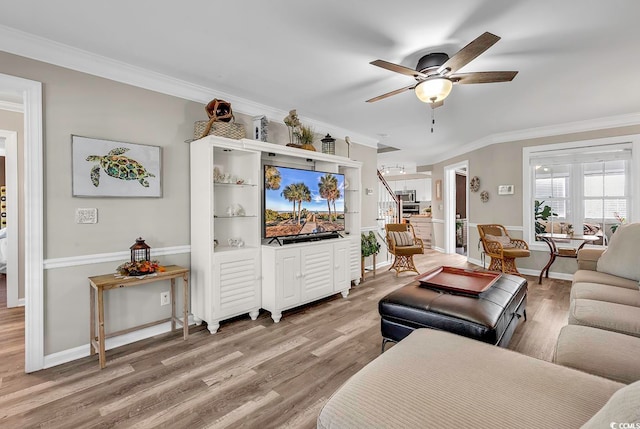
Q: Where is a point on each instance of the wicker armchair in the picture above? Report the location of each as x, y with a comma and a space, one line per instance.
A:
502, 249
403, 244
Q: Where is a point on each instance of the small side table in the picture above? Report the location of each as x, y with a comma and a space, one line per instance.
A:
97, 286
362, 269
554, 252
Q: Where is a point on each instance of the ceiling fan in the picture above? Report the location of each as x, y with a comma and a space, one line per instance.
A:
436, 72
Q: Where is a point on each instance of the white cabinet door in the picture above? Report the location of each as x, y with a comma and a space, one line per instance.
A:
288, 278
317, 271
341, 265
237, 275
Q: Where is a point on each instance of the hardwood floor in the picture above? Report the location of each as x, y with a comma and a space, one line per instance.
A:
251, 374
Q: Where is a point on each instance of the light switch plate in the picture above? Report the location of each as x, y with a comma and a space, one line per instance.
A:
86, 215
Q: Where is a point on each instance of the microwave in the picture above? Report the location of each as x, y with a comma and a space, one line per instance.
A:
406, 196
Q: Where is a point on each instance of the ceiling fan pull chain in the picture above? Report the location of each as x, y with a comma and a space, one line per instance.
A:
433, 119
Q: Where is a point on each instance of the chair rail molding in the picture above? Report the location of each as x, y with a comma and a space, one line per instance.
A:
98, 258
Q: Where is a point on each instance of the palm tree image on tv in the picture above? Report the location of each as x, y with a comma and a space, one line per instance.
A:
302, 201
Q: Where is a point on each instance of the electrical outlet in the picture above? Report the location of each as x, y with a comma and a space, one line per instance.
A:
164, 298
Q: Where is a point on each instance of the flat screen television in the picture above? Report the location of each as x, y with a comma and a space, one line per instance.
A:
300, 202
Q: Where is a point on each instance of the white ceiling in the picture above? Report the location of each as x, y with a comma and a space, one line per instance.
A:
578, 59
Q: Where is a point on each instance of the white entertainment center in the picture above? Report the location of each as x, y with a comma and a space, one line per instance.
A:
234, 270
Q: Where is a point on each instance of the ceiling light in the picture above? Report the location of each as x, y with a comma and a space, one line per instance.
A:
433, 90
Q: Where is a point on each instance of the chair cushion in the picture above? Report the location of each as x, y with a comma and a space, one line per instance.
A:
588, 276
621, 257
599, 352
502, 239
607, 293
516, 253
401, 238
622, 407
408, 250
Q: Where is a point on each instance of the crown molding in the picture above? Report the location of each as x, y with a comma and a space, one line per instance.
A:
12, 107
38, 48
547, 131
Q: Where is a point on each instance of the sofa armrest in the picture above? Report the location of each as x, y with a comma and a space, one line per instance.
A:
588, 258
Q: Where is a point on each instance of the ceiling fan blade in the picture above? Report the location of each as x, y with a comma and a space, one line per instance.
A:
398, 68
483, 77
468, 53
389, 94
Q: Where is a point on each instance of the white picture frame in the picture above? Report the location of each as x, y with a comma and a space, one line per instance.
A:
505, 189
91, 179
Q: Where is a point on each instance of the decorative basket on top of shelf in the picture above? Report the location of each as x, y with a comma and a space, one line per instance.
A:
221, 122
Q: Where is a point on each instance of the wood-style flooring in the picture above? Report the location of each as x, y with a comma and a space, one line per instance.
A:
251, 374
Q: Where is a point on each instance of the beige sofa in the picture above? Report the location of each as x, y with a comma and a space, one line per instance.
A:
603, 334
434, 379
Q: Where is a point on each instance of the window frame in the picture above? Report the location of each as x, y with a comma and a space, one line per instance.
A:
528, 179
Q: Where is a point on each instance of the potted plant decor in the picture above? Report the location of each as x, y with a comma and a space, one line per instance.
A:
542, 213
369, 247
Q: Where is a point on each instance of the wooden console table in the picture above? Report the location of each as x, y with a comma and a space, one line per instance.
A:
98, 284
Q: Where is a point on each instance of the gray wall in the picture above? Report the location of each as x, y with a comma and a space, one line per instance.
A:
501, 164
85, 105
81, 104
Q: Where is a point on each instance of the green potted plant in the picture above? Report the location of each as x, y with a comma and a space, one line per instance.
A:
620, 220
369, 247
542, 213
305, 137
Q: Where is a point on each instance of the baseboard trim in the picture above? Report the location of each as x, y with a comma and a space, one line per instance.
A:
531, 272
98, 258
80, 352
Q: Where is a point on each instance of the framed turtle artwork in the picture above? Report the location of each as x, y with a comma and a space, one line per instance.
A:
106, 168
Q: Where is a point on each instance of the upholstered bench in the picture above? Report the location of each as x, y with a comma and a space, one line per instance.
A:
491, 316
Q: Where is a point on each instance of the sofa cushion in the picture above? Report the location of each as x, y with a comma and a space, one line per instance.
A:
599, 352
605, 315
622, 407
608, 293
621, 257
588, 257
587, 276
434, 379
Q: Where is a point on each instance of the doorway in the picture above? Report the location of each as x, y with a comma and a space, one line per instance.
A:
456, 203
30, 95
9, 216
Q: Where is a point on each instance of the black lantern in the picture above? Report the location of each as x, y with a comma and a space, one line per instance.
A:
140, 251
329, 145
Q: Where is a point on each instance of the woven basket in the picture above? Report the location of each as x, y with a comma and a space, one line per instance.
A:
230, 130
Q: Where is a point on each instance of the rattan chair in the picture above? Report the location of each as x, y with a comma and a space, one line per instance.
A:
403, 244
502, 249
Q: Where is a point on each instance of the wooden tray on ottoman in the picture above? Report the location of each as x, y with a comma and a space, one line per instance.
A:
458, 280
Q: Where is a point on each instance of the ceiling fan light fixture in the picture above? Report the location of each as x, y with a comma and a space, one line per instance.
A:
434, 89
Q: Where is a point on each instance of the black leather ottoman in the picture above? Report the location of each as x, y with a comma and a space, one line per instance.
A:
491, 316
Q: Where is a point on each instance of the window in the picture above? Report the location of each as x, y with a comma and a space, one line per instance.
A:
583, 186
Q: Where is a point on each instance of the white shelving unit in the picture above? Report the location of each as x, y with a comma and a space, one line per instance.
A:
228, 280
225, 277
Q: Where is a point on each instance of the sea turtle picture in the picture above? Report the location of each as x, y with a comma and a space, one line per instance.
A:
118, 166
